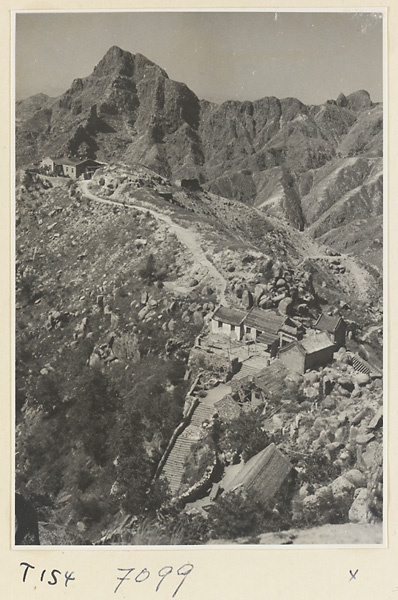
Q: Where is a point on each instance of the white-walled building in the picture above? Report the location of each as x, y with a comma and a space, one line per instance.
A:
228, 321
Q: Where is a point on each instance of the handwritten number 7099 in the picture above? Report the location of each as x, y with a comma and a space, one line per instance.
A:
144, 574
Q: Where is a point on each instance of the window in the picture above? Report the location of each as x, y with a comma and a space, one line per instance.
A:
248, 329
219, 324
232, 327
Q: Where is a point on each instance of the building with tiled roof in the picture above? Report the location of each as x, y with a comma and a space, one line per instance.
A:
71, 167
264, 474
265, 327
271, 329
311, 352
334, 325
228, 321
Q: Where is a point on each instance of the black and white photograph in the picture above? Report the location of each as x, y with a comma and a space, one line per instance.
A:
198, 293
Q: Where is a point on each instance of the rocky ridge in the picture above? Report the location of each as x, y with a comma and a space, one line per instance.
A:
280, 155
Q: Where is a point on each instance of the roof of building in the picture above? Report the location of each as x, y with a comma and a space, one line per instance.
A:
250, 367
314, 343
75, 161
267, 338
272, 379
289, 329
232, 316
70, 161
264, 473
310, 344
264, 320
328, 323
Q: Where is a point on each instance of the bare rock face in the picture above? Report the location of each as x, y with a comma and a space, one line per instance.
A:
306, 158
359, 100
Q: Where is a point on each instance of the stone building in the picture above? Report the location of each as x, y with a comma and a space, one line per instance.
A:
311, 352
335, 326
228, 321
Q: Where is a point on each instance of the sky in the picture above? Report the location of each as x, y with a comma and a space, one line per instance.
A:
219, 55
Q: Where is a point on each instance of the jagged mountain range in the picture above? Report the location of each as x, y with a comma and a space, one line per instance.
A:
319, 167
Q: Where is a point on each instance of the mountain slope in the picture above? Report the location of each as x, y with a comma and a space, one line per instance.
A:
291, 160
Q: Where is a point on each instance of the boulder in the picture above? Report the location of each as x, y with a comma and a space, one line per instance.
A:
194, 306
364, 438
341, 100
357, 478
329, 403
279, 298
342, 488
359, 416
239, 291
151, 314
346, 383
172, 307
362, 379
265, 302
143, 312
311, 377
334, 446
193, 282
324, 493
140, 242
258, 291
285, 306
247, 299
377, 420
311, 392
302, 310
356, 393
341, 434
359, 511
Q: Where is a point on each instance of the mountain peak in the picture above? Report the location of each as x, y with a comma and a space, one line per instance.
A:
359, 100
122, 62
115, 59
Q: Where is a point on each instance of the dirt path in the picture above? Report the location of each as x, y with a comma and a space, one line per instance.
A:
370, 330
186, 237
355, 273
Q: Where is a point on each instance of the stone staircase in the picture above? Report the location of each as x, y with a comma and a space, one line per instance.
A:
173, 469
202, 412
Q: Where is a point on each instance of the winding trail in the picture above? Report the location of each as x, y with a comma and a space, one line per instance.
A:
186, 237
378, 327
359, 275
